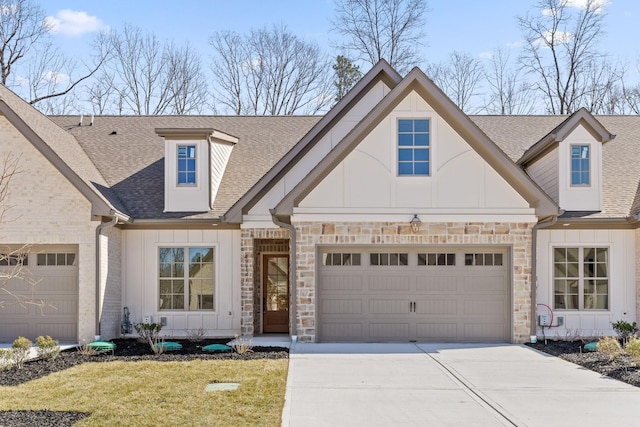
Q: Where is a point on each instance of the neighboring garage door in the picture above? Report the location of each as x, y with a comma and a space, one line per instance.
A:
54, 270
443, 294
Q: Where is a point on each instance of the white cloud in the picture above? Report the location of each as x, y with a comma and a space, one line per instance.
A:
55, 77
486, 55
560, 37
74, 23
21, 81
598, 5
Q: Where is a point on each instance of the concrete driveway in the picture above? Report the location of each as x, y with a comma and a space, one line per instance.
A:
448, 385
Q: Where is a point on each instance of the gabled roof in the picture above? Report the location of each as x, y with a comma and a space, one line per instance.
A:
620, 157
564, 129
417, 81
382, 71
62, 150
130, 155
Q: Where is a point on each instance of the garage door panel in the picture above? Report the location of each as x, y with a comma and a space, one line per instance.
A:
342, 306
56, 330
486, 307
389, 331
343, 283
484, 283
59, 306
340, 331
384, 306
436, 284
437, 306
483, 331
436, 331
389, 283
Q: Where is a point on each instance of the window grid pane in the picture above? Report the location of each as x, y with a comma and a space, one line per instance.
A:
189, 280
187, 164
581, 279
580, 160
413, 147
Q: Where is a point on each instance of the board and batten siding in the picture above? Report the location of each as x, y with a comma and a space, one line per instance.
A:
622, 281
461, 182
545, 173
140, 274
260, 211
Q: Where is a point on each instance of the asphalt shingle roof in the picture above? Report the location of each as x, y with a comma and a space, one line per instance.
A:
130, 155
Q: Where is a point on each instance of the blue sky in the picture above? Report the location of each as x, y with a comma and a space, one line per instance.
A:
471, 26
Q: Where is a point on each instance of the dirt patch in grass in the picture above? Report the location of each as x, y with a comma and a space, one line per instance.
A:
132, 350
621, 368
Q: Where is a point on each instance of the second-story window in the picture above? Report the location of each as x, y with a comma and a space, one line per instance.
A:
580, 165
413, 147
186, 165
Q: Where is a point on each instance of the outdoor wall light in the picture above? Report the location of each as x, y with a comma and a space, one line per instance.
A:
415, 223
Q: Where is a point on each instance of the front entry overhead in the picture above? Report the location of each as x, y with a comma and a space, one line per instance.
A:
443, 294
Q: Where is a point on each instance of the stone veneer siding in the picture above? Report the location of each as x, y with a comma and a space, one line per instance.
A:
311, 234
637, 276
250, 244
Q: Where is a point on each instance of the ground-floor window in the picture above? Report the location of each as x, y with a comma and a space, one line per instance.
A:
186, 278
581, 278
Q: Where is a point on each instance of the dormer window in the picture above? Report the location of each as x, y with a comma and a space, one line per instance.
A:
186, 165
580, 165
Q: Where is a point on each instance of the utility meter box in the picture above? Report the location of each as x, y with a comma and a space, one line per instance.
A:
544, 320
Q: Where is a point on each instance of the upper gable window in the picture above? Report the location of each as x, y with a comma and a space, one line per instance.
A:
580, 165
413, 147
186, 164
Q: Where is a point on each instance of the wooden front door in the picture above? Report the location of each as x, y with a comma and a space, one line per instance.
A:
275, 297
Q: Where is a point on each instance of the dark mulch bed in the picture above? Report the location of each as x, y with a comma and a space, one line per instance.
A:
621, 368
126, 350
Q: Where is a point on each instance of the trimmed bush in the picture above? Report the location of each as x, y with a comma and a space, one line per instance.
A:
633, 349
47, 347
20, 348
609, 346
6, 359
624, 329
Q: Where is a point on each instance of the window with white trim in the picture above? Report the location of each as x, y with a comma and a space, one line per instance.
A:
581, 278
580, 165
186, 278
186, 165
414, 147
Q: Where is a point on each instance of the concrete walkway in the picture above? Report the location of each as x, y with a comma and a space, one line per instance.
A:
448, 385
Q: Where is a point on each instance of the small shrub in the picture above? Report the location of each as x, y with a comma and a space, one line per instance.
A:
85, 349
242, 345
633, 349
196, 335
21, 347
47, 347
609, 346
6, 359
148, 332
624, 329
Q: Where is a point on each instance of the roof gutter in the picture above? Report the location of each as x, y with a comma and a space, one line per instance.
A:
292, 272
534, 277
114, 220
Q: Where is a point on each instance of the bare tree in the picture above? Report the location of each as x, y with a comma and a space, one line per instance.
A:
382, 29
26, 50
508, 92
147, 77
12, 258
561, 50
270, 72
459, 78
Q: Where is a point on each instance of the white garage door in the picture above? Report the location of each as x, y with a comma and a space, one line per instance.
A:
52, 302
443, 294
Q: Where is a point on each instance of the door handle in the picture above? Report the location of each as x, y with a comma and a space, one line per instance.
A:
410, 306
414, 306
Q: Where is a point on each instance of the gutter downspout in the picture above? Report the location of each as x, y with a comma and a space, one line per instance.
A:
99, 228
292, 272
534, 278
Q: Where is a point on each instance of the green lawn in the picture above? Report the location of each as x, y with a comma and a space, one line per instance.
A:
159, 393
